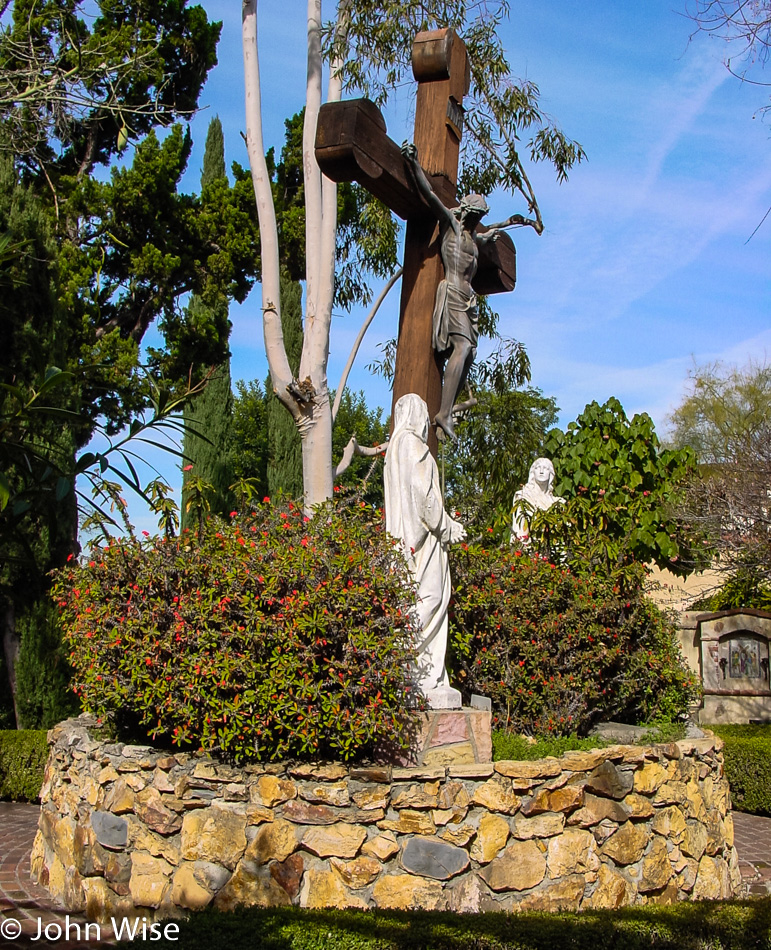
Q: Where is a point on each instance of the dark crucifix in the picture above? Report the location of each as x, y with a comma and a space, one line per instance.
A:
352, 145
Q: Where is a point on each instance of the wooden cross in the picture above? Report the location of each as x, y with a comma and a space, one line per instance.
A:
352, 145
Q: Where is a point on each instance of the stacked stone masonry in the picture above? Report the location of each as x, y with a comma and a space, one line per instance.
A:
127, 830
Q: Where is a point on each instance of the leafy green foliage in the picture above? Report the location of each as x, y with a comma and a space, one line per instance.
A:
354, 417
266, 637
621, 489
154, 245
688, 925
114, 254
98, 258
117, 253
213, 168
367, 232
206, 444
39, 505
38, 473
557, 653
744, 588
23, 755
748, 766
43, 695
249, 431
82, 79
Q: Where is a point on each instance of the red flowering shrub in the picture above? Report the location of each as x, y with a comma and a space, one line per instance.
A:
557, 653
269, 636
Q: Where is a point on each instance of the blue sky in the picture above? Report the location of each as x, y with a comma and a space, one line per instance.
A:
645, 267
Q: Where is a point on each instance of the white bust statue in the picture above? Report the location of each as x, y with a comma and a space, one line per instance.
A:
415, 515
537, 494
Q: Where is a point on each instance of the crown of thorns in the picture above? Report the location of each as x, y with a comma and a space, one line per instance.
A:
473, 203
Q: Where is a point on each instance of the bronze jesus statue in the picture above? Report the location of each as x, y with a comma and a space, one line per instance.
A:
456, 315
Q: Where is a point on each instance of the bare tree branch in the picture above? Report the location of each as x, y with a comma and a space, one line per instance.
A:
352, 449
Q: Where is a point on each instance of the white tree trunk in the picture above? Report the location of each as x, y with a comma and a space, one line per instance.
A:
314, 416
280, 372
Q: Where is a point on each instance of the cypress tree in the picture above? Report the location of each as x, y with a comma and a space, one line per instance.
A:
285, 467
214, 154
249, 452
43, 696
211, 412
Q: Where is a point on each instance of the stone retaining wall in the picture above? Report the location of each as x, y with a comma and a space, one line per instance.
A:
129, 830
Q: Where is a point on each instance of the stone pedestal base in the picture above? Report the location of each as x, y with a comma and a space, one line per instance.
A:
452, 737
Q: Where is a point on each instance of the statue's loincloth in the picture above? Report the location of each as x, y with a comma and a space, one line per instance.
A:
455, 313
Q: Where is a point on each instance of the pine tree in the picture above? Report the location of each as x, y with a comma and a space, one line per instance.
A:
285, 470
35, 334
211, 412
97, 259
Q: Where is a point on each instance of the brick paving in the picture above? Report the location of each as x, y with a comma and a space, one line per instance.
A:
752, 837
26, 903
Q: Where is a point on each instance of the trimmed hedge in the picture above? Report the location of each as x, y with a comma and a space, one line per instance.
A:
748, 766
698, 925
23, 755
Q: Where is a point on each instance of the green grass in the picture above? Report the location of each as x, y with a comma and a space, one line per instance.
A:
705, 925
23, 754
509, 745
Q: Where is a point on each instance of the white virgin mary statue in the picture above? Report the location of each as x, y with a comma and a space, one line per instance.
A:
415, 515
536, 495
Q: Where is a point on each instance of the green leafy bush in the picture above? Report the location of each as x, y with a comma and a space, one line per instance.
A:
266, 637
556, 652
748, 766
620, 488
23, 755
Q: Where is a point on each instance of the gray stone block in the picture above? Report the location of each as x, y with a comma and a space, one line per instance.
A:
430, 857
111, 830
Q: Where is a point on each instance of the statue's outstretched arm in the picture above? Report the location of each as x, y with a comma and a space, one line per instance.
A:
410, 153
485, 237
515, 221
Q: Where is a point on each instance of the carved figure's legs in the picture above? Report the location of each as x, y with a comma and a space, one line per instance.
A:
455, 373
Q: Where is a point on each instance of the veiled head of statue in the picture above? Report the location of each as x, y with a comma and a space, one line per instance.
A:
411, 413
